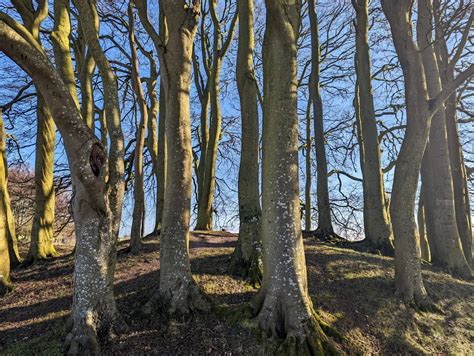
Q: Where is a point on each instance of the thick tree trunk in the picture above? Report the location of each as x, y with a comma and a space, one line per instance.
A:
5, 227
162, 161
95, 203
246, 257
138, 215
437, 178
408, 279
325, 228
458, 169
178, 292
378, 229
42, 232
283, 306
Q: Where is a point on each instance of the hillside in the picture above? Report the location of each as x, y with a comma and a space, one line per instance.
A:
352, 291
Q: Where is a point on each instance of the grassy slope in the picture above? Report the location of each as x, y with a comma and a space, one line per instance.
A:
352, 291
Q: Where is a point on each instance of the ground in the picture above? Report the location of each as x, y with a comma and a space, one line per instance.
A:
351, 291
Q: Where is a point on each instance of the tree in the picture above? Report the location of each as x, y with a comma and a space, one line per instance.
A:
420, 109
178, 292
246, 257
325, 228
378, 229
209, 94
439, 205
283, 307
42, 233
7, 227
138, 189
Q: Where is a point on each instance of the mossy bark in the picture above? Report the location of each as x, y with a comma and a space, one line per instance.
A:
95, 203
42, 232
283, 307
245, 260
378, 229
5, 227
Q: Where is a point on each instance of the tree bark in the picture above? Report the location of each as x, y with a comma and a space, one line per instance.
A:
206, 194
408, 279
178, 292
308, 180
458, 168
378, 229
423, 243
246, 257
95, 201
283, 307
138, 188
5, 224
42, 231
325, 228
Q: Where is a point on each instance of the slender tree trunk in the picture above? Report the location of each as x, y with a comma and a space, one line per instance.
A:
246, 257
283, 306
378, 229
408, 279
138, 189
439, 195
219, 49
424, 246
325, 228
308, 181
5, 227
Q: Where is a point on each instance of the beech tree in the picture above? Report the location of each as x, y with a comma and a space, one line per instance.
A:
246, 257
283, 307
420, 110
7, 224
209, 93
178, 292
378, 229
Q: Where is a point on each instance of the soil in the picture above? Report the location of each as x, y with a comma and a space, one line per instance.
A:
351, 291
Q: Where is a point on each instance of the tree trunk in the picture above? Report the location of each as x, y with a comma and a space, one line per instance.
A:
325, 228
408, 279
283, 305
437, 178
308, 181
423, 243
5, 227
178, 292
138, 189
458, 168
246, 257
378, 229
42, 232
208, 175
95, 202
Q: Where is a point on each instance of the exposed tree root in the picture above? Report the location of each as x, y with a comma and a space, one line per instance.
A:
86, 333
154, 235
326, 236
5, 287
248, 269
299, 326
182, 301
31, 259
384, 249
